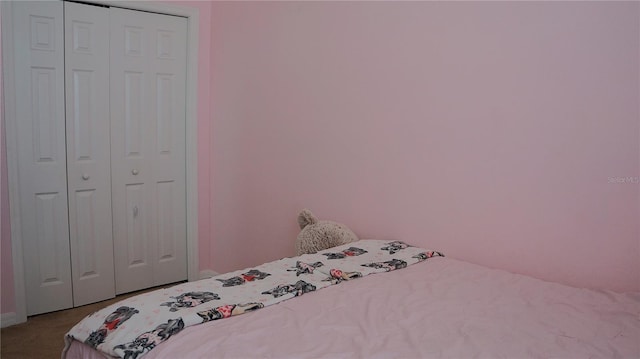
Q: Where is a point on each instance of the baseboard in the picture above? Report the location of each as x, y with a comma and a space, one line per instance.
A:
208, 273
8, 319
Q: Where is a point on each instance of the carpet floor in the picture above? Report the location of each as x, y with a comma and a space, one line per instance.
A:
42, 336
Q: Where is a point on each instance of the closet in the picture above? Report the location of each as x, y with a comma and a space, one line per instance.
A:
100, 126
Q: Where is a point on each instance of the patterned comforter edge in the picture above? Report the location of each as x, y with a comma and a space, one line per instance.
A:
136, 325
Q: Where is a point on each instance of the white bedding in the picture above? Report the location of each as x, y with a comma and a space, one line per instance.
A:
439, 308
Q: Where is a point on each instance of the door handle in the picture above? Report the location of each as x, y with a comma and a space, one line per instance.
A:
135, 211
85, 176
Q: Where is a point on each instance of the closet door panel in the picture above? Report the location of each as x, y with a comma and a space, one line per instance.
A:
169, 147
129, 154
148, 62
88, 152
39, 68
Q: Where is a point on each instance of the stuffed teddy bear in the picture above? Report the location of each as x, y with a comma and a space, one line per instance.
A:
318, 235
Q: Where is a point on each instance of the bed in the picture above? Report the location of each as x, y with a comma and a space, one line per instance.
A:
371, 305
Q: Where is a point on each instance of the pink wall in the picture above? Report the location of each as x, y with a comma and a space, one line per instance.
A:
204, 115
487, 130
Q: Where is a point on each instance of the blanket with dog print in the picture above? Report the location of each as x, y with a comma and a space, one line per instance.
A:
134, 326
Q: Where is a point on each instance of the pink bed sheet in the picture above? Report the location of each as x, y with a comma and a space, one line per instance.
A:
440, 308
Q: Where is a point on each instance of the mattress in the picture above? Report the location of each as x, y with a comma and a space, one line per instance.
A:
441, 307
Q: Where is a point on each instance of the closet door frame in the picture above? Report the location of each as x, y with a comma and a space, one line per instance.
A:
9, 117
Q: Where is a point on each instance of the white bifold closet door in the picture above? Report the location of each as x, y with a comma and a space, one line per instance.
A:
100, 126
88, 146
148, 76
38, 45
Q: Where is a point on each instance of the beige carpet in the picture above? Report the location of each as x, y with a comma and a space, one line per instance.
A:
42, 336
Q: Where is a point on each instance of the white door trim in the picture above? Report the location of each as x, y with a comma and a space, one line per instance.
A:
9, 115
7, 319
